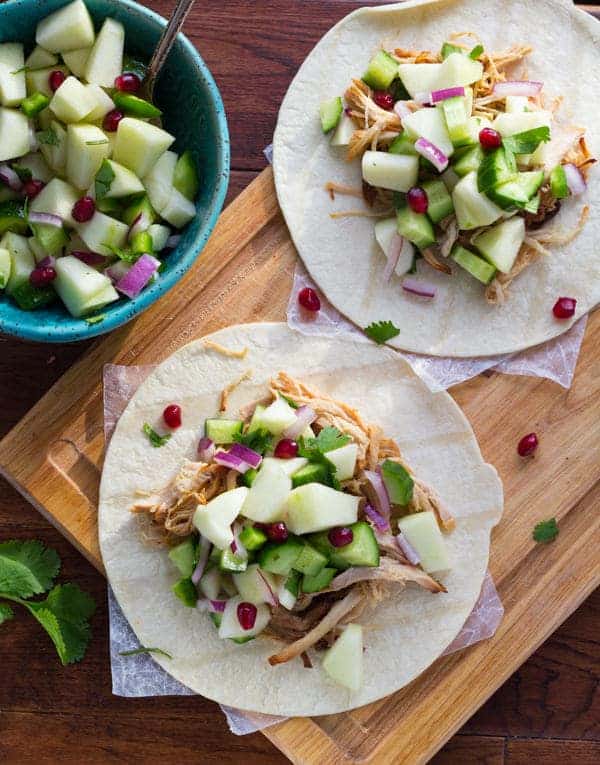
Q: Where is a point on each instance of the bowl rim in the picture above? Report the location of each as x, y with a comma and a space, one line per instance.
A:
124, 312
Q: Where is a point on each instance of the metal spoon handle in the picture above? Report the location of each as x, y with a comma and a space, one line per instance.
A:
166, 41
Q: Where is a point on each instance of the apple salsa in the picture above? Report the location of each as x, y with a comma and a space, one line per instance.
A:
296, 517
90, 194
469, 162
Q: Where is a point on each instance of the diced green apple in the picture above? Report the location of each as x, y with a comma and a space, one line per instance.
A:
139, 145
472, 208
38, 252
516, 104
105, 61
38, 80
429, 124
72, 102
289, 467
178, 211
57, 198
67, 29
22, 261
256, 586
266, 499
343, 662
12, 76
501, 243
315, 507
159, 181
214, 519
40, 58
100, 300
460, 70
52, 239
160, 235
55, 153
14, 134
519, 122
102, 233
210, 583
87, 148
124, 184
38, 166
385, 233
79, 286
277, 416
344, 131
420, 78
5, 267
456, 70
104, 103
230, 625
397, 172
344, 460
76, 60
423, 533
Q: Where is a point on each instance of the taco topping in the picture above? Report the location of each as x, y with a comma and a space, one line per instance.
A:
294, 536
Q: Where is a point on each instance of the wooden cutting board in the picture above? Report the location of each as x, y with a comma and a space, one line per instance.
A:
54, 457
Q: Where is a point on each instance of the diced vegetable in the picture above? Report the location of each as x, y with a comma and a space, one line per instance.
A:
223, 431
314, 472
124, 182
343, 662
381, 71
67, 29
56, 198
424, 535
501, 243
558, 183
214, 519
210, 584
230, 624
330, 113
5, 267
266, 500
457, 120
318, 582
135, 106
37, 165
397, 172
362, 551
76, 60
496, 167
105, 61
103, 103
280, 558
289, 467
21, 259
344, 460
277, 416
519, 191
87, 148
313, 507
310, 561
102, 234
72, 101
473, 264
12, 76
253, 538
386, 235
139, 145
431, 125
183, 556
416, 227
53, 145
159, 181
185, 177
231, 562
81, 288
468, 160
472, 208
14, 134
439, 200
12, 217
344, 131
256, 586
34, 104
178, 211
160, 235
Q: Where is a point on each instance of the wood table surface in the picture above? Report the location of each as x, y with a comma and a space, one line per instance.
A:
548, 712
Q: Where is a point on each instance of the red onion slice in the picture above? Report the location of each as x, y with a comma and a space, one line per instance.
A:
45, 219
10, 178
173, 241
231, 461
575, 180
206, 449
273, 600
442, 95
138, 276
517, 88
237, 548
402, 109
89, 258
205, 546
305, 416
380, 523
408, 550
382, 500
141, 223
416, 287
393, 256
431, 152
249, 456
212, 606
117, 271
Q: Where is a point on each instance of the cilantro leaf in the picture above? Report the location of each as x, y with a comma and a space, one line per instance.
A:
6, 613
527, 141
101, 142
125, 255
546, 531
315, 449
155, 439
398, 482
27, 568
48, 137
328, 440
24, 173
476, 52
104, 178
259, 440
138, 651
381, 331
186, 591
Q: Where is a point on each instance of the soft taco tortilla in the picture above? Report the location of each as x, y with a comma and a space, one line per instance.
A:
342, 255
407, 631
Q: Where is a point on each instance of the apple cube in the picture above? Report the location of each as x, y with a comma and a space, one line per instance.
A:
87, 147
266, 499
179, 211
38, 166
159, 181
38, 252
343, 662
256, 586
277, 416
104, 103
5, 267
290, 466
315, 507
72, 101
214, 519
79, 286
22, 262
67, 29
57, 198
344, 460
160, 234
102, 233
38, 81
105, 61
14, 134
423, 533
55, 153
210, 583
12, 76
230, 624
76, 60
39, 58
125, 183
139, 145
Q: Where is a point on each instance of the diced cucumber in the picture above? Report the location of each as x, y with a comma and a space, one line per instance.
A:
277, 416
87, 148
51, 239
230, 624
381, 71
183, 556
448, 48
256, 586
472, 208
34, 104
67, 29
210, 583
253, 538
516, 104
343, 662
385, 233
362, 551
468, 160
397, 172
5, 267
12, 75
103, 104
267, 497
518, 192
139, 145
178, 211
403, 144
558, 183
439, 200
38, 80
344, 460
22, 261
497, 167
40, 58
476, 266
344, 131
312, 473
223, 431
501, 243
103, 234
141, 242
310, 561
249, 477
159, 181
29, 298
416, 227
534, 204
457, 120
185, 177
429, 124
160, 235
14, 134
330, 113
214, 519
423, 533
105, 62
12, 217
39, 253
318, 582
80, 286
280, 558
124, 183
55, 153
72, 101
140, 206
186, 591
292, 583
76, 60
314, 507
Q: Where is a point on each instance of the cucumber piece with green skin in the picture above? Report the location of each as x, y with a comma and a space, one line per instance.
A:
397, 172
534, 204
330, 113
67, 29
103, 234
518, 192
457, 119
416, 227
448, 48
5, 266
185, 177
14, 134
159, 181
497, 167
81, 288
51, 238
12, 76
255, 421
558, 183
468, 161
318, 582
403, 144
109, 206
312, 473
280, 558
21, 258
29, 298
381, 71
135, 106
186, 591
40, 58
439, 200
472, 208
362, 551
141, 206
310, 561
12, 218
183, 556
253, 538
34, 104
473, 264
140, 145
249, 477
105, 62
223, 431
292, 582
500, 244
229, 561
160, 235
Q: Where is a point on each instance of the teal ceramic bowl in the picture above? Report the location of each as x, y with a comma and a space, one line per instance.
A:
193, 113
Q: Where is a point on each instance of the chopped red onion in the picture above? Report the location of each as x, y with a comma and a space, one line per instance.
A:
517, 88
45, 219
237, 548
441, 95
575, 180
141, 223
382, 500
173, 241
205, 546
431, 152
138, 276
213, 606
393, 256
273, 599
206, 449
411, 554
402, 109
231, 461
416, 287
90, 258
247, 455
10, 178
305, 416
380, 523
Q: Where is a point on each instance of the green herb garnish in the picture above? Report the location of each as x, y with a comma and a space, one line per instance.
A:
476, 52
29, 568
290, 401
315, 451
398, 482
138, 651
413, 265
380, 331
155, 439
100, 142
125, 255
186, 591
48, 137
526, 142
546, 531
104, 178
24, 173
259, 440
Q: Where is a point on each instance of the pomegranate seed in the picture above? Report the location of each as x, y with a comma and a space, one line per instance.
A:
246, 614
417, 199
564, 307
111, 121
527, 445
56, 79
341, 536
172, 416
128, 82
276, 532
384, 100
309, 299
84, 209
490, 138
42, 276
286, 449
32, 188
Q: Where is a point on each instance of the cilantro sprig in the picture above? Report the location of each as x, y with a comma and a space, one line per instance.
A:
527, 141
48, 137
546, 531
381, 331
155, 438
259, 440
143, 649
476, 52
398, 482
315, 451
28, 568
104, 178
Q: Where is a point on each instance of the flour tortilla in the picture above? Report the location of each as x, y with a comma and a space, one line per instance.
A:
341, 254
406, 633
